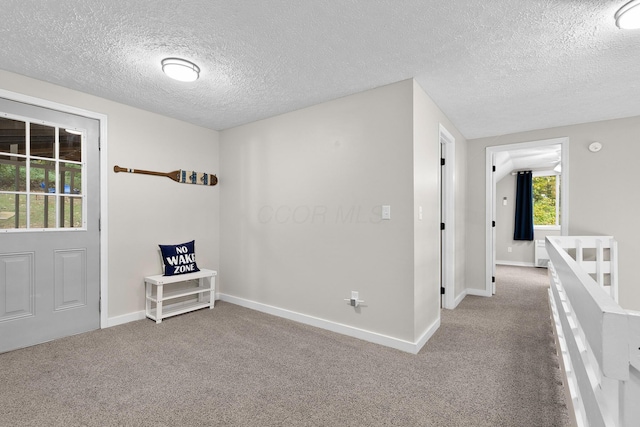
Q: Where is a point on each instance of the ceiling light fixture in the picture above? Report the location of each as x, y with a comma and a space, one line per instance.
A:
180, 69
628, 16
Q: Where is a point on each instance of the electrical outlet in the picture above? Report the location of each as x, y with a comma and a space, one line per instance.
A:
354, 301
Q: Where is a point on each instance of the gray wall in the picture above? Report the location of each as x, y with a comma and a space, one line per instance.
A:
602, 196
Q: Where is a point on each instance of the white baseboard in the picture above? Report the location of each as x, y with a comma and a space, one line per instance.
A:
516, 263
473, 292
362, 334
478, 292
426, 336
459, 298
126, 318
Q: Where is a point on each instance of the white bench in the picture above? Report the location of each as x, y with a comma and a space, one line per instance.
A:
206, 284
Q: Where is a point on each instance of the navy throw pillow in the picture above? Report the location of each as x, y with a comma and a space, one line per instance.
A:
179, 259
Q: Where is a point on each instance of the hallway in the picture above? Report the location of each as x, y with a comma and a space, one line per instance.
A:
507, 344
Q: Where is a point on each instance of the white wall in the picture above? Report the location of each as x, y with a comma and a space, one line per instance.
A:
602, 196
461, 213
302, 197
427, 117
426, 181
301, 225
144, 211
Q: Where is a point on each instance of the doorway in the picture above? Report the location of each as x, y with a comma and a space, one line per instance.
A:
50, 195
495, 169
447, 215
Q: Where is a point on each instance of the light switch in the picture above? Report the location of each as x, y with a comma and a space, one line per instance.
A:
386, 212
420, 213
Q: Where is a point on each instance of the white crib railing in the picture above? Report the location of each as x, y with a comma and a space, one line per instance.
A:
599, 342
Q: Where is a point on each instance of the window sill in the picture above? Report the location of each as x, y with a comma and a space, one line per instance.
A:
547, 227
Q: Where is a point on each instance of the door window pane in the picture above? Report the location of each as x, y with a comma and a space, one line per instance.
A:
71, 176
70, 146
43, 141
42, 211
71, 212
13, 208
43, 176
13, 173
12, 136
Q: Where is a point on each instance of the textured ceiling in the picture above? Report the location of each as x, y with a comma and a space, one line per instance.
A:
493, 66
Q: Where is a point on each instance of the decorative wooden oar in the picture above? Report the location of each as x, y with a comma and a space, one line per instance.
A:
185, 177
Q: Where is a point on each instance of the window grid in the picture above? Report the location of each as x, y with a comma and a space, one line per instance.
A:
61, 195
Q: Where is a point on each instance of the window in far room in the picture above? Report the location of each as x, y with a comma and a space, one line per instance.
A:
546, 201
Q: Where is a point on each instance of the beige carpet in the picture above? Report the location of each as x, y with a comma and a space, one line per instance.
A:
491, 363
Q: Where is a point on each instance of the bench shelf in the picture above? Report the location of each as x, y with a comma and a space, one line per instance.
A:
206, 285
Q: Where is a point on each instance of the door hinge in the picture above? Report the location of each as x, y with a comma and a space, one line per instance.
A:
442, 162
494, 168
99, 224
442, 290
100, 305
493, 223
442, 226
493, 279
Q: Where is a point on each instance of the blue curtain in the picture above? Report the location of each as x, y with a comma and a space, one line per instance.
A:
523, 229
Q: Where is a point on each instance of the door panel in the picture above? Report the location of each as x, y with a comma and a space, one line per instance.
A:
50, 275
70, 279
17, 286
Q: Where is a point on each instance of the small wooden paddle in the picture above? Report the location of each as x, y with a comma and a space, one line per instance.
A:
183, 176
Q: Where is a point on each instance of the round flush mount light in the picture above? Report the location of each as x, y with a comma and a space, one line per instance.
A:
628, 16
180, 69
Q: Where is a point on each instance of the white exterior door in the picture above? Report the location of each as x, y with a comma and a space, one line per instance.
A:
49, 225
